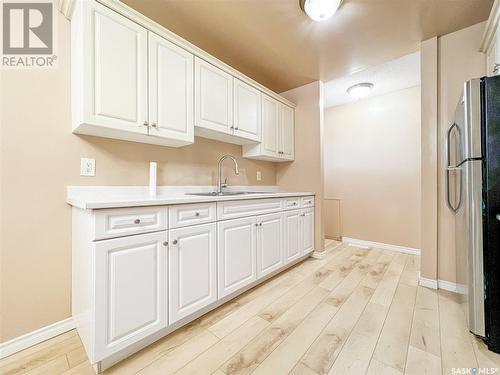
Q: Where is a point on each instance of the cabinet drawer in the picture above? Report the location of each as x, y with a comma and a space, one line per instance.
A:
291, 203
126, 221
307, 202
191, 214
235, 209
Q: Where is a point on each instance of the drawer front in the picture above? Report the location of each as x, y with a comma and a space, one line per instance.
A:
191, 214
291, 203
235, 209
307, 202
126, 221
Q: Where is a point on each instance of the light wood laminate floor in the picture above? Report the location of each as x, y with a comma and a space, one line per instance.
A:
356, 311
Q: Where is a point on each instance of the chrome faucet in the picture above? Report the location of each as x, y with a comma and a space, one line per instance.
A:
220, 185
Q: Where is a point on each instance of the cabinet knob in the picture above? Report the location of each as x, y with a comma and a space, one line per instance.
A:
303, 215
146, 123
154, 125
260, 224
256, 224
137, 221
197, 214
165, 243
294, 203
174, 242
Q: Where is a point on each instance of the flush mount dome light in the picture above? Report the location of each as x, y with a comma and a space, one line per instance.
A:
361, 90
320, 10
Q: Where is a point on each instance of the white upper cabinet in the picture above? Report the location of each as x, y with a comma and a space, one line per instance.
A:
287, 132
213, 90
130, 291
277, 141
110, 68
134, 80
113, 70
170, 91
192, 266
247, 111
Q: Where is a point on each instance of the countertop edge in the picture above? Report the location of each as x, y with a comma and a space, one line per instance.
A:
89, 204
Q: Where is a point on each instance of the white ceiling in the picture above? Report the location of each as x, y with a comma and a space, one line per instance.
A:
391, 76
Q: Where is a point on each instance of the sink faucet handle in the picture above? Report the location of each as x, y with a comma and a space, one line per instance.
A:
224, 184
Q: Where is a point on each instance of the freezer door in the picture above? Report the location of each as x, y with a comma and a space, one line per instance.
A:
469, 246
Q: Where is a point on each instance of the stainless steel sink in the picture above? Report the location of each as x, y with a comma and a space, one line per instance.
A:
227, 193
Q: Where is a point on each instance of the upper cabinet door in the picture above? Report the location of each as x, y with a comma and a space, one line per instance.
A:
170, 91
236, 255
247, 111
116, 54
213, 97
270, 127
130, 291
287, 132
192, 269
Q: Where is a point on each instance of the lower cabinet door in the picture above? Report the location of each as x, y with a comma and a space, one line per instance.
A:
307, 230
269, 243
292, 236
130, 289
192, 270
237, 250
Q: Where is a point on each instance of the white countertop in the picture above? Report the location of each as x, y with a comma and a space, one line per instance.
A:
96, 197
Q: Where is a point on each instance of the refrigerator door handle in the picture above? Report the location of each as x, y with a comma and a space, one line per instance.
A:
449, 169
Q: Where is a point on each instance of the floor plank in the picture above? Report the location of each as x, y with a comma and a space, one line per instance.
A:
325, 349
288, 353
420, 362
258, 349
392, 345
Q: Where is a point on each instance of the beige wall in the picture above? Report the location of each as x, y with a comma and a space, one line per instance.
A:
40, 157
306, 172
458, 61
429, 111
372, 164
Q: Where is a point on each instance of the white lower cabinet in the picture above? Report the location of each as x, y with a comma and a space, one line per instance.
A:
237, 248
130, 291
160, 273
192, 281
307, 230
269, 243
291, 235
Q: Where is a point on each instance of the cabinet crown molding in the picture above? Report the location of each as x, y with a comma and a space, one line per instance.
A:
491, 27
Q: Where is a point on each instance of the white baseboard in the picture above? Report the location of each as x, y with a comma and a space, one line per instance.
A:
379, 245
441, 284
32, 338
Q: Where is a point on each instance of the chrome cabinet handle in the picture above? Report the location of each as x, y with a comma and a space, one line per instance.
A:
165, 243
197, 214
496, 68
174, 242
137, 221
146, 124
154, 125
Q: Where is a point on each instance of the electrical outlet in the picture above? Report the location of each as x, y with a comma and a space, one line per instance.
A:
87, 167
259, 176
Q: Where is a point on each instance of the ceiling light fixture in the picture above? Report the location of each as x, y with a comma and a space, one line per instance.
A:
361, 90
320, 10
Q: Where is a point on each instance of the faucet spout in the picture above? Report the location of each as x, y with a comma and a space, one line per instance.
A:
219, 170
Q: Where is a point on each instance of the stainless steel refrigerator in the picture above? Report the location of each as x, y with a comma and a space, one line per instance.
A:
473, 194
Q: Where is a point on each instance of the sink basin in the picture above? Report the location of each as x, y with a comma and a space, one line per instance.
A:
227, 193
